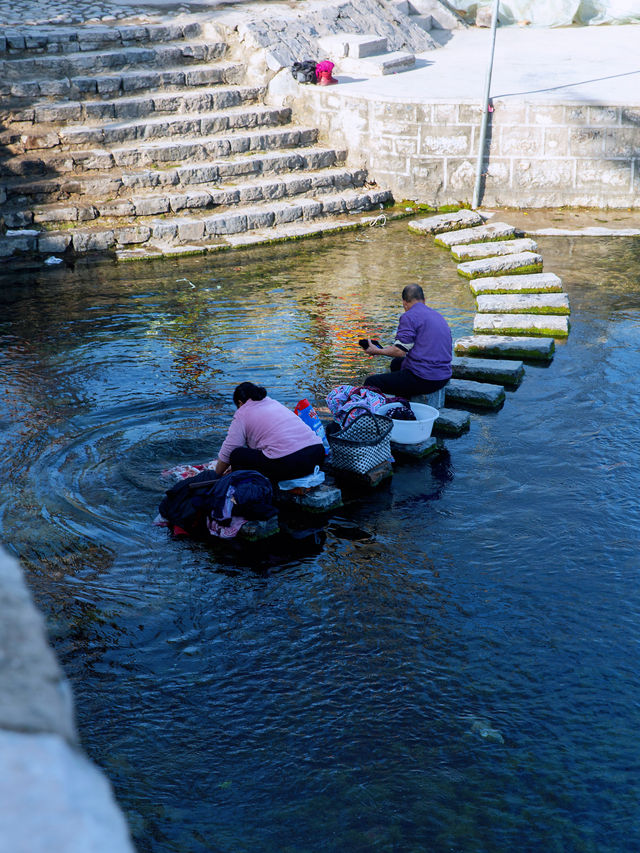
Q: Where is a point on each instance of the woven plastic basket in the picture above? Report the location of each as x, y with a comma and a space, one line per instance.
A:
362, 445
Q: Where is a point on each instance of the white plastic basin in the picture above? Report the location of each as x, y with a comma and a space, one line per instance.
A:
412, 432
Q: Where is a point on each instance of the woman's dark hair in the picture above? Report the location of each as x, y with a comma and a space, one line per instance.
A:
248, 391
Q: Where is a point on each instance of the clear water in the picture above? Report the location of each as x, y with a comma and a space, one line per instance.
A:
448, 664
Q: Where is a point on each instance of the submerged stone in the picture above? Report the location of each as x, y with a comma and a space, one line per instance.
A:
520, 264
445, 222
521, 324
488, 370
498, 346
481, 234
524, 303
477, 251
252, 531
321, 498
543, 282
482, 395
419, 450
452, 422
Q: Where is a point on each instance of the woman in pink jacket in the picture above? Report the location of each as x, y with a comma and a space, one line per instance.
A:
265, 436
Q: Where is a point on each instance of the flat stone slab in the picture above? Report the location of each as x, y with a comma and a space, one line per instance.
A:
321, 498
378, 65
416, 451
524, 303
521, 324
481, 234
452, 422
524, 262
481, 395
498, 346
372, 478
253, 531
443, 222
503, 372
476, 251
542, 282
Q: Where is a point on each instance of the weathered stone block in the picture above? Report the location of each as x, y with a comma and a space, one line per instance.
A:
56, 213
190, 229
545, 114
480, 234
445, 222
521, 141
623, 142
53, 243
556, 141
452, 422
227, 223
604, 174
465, 392
603, 115
477, 251
498, 371
445, 142
524, 303
92, 241
499, 346
420, 450
543, 174
525, 262
287, 212
259, 218
150, 206
323, 498
546, 282
164, 230
586, 142
521, 324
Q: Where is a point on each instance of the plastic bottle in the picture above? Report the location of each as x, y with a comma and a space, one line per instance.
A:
305, 410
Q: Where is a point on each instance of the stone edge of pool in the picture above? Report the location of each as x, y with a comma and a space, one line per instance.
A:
52, 797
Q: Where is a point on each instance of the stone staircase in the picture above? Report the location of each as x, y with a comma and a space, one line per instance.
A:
143, 140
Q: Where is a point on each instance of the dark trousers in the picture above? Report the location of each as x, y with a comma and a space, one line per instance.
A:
402, 382
289, 467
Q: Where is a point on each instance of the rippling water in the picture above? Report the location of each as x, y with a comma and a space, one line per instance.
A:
449, 664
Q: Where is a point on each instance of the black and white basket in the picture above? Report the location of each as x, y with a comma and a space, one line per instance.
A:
362, 445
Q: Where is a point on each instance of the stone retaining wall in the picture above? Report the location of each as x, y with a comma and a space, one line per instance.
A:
540, 154
51, 797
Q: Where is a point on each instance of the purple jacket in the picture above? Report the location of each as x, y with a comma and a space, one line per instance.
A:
426, 336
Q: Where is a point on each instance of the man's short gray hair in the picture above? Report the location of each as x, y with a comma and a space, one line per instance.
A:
412, 292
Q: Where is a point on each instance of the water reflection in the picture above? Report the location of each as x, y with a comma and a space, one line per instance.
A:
338, 688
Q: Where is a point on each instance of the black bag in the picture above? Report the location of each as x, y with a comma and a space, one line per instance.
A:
304, 72
188, 503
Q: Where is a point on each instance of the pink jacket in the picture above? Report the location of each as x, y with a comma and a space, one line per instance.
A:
268, 426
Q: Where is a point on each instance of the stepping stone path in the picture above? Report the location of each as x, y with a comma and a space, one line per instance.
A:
521, 310
145, 140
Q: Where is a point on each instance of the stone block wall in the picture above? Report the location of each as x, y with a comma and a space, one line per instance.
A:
539, 154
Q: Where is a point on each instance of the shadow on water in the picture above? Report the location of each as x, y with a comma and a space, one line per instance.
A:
445, 663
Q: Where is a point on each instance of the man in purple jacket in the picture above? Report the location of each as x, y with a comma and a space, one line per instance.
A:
421, 352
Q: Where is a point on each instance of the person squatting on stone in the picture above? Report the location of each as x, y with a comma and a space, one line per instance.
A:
421, 353
267, 437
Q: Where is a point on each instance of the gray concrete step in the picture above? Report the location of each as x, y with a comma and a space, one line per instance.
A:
499, 346
90, 86
443, 222
52, 40
45, 161
544, 282
98, 186
521, 324
96, 61
524, 303
478, 251
193, 230
521, 263
499, 371
480, 234
477, 395
141, 203
152, 104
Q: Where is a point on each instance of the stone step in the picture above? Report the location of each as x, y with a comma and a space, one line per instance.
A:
108, 184
143, 204
480, 234
360, 46
52, 40
478, 251
180, 102
191, 230
524, 262
123, 83
497, 346
451, 422
420, 450
377, 66
95, 61
544, 282
500, 371
145, 154
480, 395
524, 303
164, 128
521, 324
444, 222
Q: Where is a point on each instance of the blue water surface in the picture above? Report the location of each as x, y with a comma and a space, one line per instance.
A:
449, 663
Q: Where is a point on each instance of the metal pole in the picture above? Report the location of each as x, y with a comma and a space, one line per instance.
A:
485, 112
